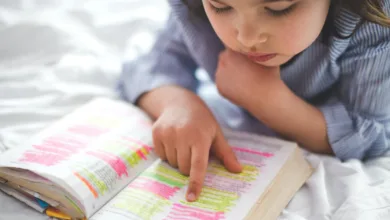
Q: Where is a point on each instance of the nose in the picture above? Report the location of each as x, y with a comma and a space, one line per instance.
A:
249, 35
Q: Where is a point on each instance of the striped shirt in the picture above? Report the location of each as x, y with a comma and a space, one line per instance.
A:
347, 79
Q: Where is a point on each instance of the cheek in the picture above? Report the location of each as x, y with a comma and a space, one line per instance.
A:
302, 30
295, 38
222, 25
289, 40
224, 30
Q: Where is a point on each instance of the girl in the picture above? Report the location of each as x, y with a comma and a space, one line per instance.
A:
314, 71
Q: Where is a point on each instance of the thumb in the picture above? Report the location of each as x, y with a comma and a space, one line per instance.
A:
225, 154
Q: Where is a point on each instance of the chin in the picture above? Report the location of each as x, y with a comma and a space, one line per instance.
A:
277, 61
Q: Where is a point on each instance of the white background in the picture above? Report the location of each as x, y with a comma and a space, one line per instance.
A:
55, 55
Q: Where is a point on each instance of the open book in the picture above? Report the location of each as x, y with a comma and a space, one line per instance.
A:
98, 163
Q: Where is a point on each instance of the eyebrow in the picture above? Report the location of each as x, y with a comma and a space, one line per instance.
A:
263, 1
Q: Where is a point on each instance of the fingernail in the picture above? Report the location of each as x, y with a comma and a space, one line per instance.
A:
191, 197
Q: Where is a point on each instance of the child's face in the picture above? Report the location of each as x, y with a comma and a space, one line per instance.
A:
272, 31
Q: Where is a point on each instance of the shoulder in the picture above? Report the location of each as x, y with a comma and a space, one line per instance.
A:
364, 38
188, 21
181, 10
196, 33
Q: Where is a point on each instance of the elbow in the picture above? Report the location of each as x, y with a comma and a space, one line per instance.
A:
366, 139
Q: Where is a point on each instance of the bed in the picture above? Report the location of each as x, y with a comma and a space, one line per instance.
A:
56, 55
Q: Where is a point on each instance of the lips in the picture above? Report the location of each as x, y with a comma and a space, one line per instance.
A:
261, 57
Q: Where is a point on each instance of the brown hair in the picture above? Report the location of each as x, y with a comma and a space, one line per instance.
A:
368, 10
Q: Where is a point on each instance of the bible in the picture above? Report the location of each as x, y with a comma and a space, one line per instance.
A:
98, 163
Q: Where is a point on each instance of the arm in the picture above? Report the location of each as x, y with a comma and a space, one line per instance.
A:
168, 64
356, 123
162, 83
281, 110
159, 99
238, 79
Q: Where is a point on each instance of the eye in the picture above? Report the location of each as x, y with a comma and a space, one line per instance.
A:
283, 12
220, 9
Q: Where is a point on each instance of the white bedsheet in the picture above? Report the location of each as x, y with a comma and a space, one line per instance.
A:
55, 55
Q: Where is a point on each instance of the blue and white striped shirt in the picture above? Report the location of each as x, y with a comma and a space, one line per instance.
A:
347, 79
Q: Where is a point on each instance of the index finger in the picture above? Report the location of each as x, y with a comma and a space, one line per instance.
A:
199, 161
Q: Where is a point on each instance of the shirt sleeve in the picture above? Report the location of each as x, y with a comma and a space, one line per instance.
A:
358, 121
168, 63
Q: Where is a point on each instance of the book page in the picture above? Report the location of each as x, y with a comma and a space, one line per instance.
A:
93, 153
159, 192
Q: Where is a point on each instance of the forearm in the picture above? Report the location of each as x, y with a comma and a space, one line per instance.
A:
155, 101
281, 110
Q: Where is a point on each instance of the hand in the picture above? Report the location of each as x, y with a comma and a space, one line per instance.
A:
237, 77
184, 134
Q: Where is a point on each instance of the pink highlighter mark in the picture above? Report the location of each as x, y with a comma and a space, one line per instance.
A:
88, 130
141, 154
154, 187
180, 211
66, 143
42, 158
139, 150
53, 150
245, 150
62, 146
137, 142
115, 162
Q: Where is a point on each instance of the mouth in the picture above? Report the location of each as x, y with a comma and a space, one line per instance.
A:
260, 58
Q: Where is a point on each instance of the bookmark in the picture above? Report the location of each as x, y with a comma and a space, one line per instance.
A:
51, 212
42, 204
21, 197
51, 202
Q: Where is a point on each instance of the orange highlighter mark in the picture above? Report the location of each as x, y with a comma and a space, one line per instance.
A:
90, 187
